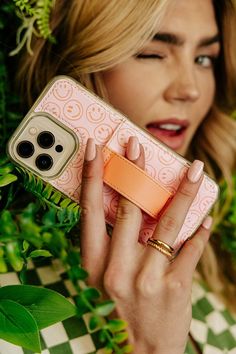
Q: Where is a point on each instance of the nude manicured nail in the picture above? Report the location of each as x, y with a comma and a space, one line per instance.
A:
195, 171
90, 152
207, 222
133, 148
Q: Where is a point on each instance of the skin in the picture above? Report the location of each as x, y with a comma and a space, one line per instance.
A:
151, 293
178, 80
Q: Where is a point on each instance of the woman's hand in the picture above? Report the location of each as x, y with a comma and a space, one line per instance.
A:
151, 293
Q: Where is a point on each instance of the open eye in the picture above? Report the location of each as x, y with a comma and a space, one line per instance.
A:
207, 61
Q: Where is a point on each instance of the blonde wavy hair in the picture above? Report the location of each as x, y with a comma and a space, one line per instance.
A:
93, 36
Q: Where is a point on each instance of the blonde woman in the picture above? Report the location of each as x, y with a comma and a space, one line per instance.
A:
170, 66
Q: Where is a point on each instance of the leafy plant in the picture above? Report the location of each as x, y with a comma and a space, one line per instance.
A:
25, 309
227, 228
35, 18
37, 222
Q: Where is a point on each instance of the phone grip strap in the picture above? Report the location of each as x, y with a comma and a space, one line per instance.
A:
134, 183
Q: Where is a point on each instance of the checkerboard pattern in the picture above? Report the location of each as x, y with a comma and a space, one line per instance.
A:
213, 328
71, 336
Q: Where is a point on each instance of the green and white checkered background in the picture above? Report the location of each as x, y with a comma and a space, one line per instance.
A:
213, 327
68, 337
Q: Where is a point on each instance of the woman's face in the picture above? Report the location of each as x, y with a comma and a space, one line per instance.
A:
168, 88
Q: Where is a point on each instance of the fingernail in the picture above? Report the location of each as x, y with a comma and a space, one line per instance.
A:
90, 152
207, 222
133, 148
195, 171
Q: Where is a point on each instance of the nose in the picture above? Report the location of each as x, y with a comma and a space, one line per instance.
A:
183, 85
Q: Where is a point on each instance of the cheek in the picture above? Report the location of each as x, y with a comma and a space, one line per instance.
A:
118, 88
128, 90
207, 96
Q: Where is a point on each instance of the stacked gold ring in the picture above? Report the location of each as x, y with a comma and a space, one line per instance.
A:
161, 246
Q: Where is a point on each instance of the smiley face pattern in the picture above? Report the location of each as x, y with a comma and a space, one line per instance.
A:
89, 116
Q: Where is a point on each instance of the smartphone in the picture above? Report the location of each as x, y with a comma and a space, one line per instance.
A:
51, 139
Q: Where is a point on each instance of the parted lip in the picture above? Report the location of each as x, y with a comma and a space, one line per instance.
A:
183, 122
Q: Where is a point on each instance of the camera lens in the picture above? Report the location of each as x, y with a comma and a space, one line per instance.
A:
44, 162
59, 148
25, 149
45, 139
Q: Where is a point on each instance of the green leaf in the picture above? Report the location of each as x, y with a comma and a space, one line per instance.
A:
40, 253
46, 306
105, 308
65, 203
7, 224
47, 237
81, 307
3, 158
14, 256
25, 245
47, 191
91, 293
6, 169
116, 325
49, 218
120, 337
77, 273
102, 336
55, 198
18, 325
73, 258
62, 215
3, 265
72, 206
127, 349
95, 322
7, 179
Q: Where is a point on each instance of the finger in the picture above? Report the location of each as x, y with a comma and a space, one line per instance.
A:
94, 239
173, 218
191, 252
129, 216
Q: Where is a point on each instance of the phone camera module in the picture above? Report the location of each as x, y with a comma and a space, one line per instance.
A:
44, 162
45, 139
59, 148
25, 149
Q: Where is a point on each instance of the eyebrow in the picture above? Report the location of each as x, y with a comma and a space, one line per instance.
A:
172, 39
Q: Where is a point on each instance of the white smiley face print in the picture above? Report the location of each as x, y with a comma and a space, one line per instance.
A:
167, 175
210, 186
166, 157
73, 110
150, 170
102, 133
95, 113
83, 135
115, 118
205, 204
62, 90
192, 219
123, 136
149, 151
52, 108
145, 234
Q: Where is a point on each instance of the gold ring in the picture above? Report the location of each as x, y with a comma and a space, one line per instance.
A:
161, 246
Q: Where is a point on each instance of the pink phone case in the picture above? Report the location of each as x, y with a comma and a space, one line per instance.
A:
89, 116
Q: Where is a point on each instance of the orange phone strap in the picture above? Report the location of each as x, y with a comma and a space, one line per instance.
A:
134, 183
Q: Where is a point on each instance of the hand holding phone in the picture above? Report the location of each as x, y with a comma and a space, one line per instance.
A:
151, 294
51, 143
